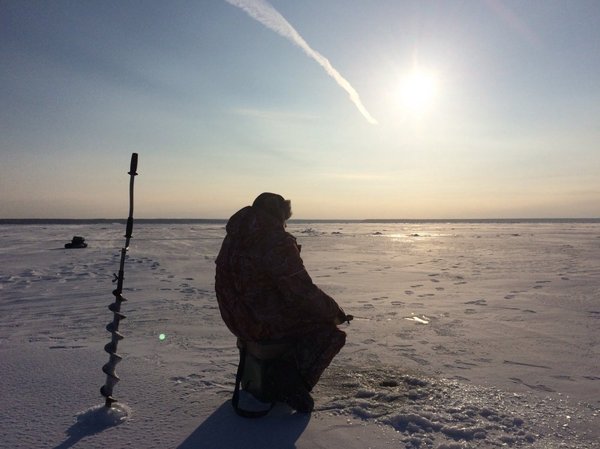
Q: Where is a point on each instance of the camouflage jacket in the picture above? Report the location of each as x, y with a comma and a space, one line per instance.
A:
262, 287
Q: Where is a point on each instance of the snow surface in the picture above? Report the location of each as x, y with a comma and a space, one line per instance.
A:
467, 335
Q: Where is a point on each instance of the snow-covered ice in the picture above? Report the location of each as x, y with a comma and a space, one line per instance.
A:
467, 335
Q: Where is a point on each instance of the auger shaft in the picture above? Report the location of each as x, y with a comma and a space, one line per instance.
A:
115, 307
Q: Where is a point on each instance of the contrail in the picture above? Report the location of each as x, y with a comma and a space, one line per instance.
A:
269, 17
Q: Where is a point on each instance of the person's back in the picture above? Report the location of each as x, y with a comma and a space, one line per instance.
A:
246, 287
265, 293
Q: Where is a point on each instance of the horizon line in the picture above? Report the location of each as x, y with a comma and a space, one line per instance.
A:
331, 220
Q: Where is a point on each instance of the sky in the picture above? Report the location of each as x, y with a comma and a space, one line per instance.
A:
352, 109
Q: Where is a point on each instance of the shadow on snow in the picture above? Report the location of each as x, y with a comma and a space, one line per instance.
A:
279, 429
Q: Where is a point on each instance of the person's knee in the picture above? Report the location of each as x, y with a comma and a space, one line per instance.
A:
340, 337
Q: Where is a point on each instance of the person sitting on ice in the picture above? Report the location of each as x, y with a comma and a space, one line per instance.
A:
265, 294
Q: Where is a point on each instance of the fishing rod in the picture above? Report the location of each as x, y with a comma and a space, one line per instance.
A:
355, 317
115, 307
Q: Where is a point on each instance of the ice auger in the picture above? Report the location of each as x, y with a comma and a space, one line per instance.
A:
115, 307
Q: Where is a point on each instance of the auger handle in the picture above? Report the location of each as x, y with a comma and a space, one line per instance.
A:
133, 166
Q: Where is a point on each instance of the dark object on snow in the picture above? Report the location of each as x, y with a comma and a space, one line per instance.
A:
76, 242
267, 373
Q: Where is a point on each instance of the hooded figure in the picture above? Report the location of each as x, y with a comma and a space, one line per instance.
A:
264, 293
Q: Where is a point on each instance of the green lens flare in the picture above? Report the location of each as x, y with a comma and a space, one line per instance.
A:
161, 337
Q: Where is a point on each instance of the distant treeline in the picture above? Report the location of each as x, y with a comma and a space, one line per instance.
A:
87, 221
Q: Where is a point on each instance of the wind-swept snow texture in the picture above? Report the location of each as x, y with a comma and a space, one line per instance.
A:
467, 335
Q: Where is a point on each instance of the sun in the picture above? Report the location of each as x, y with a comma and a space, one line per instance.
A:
417, 91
